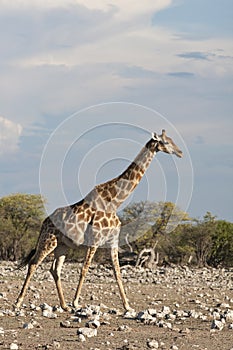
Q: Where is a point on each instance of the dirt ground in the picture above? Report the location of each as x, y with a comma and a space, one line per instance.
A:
195, 296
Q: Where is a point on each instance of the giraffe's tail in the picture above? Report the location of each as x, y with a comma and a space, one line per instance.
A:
25, 261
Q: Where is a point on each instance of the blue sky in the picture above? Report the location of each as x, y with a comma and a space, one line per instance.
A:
168, 64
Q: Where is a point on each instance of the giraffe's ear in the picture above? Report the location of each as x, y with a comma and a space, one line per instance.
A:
154, 136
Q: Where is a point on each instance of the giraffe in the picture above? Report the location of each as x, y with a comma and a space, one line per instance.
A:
92, 221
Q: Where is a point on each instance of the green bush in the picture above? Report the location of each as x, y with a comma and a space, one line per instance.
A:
21, 216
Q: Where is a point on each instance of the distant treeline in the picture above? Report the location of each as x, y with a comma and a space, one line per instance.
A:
171, 233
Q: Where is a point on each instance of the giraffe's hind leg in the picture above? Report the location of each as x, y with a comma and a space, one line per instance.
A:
60, 255
117, 273
43, 249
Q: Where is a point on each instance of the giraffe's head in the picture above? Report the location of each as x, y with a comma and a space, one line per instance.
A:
166, 144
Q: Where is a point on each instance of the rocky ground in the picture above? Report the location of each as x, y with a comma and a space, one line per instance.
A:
175, 308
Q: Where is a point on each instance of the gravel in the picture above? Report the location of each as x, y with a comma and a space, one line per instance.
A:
205, 298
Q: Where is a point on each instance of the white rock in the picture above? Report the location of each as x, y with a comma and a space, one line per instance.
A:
162, 344
217, 325
88, 311
28, 325
203, 317
32, 288
81, 338
58, 309
124, 328
93, 323
216, 315
185, 331
144, 316
152, 312
229, 315
36, 296
87, 332
194, 314
32, 306
166, 309
65, 324
46, 307
171, 317
225, 305
56, 344
130, 314
168, 325
153, 344
161, 324
20, 313
49, 314
14, 346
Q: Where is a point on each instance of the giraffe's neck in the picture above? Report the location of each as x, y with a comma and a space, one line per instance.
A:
130, 178
110, 195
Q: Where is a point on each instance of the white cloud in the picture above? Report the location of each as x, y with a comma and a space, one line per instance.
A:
115, 32
154, 49
121, 9
108, 28
9, 136
86, 51
126, 9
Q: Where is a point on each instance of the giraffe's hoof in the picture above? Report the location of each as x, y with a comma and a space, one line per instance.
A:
128, 307
66, 308
130, 313
76, 305
16, 308
17, 305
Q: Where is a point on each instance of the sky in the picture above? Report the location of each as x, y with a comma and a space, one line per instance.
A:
84, 83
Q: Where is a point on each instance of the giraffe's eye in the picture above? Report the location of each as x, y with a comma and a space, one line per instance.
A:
164, 142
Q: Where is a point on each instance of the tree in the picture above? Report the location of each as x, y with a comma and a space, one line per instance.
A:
222, 244
176, 246
137, 219
21, 216
146, 225
199, 237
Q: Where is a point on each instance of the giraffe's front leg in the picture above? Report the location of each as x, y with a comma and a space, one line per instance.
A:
117, 272
87, 262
